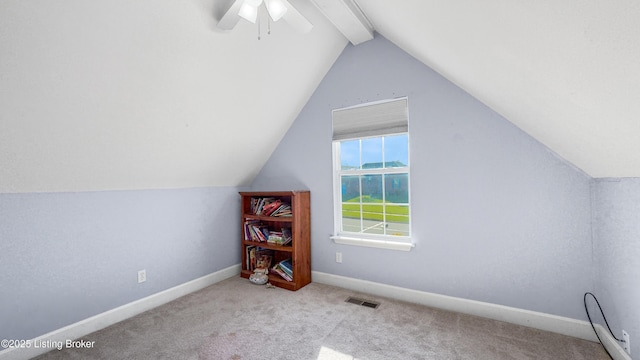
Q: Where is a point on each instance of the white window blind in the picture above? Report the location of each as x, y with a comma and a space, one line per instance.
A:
384, 118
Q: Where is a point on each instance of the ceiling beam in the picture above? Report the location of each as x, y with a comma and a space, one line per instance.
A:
347, 17
231, 17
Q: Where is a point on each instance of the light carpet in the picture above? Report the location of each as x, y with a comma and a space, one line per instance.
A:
235, 319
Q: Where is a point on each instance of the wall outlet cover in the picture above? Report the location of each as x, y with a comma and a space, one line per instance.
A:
142, 276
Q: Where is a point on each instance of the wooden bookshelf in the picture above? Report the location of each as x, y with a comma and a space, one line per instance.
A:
298, 250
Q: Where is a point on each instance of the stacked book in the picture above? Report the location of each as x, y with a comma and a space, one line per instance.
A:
254, 230
268, 206
282, 209
284, 269
258, 203
280, 237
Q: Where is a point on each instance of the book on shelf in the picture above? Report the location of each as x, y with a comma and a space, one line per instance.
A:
282, 210
251, 258
254, 230
248, 227
262, 232
258, 258
282, 237
286, 266
275, 237
269, 206
282, 274
258, 204
284, 269
286, 236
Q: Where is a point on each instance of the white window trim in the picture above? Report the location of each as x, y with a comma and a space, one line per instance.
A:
381, 244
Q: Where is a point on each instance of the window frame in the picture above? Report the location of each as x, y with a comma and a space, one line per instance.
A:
385, 241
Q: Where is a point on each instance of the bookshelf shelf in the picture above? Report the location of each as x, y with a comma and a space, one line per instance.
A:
268, 218
268, 246
263, 236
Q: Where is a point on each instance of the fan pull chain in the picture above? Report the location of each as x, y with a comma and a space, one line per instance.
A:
259, 20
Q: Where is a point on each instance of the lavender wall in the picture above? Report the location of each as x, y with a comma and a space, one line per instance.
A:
617, 254
496, 216
68, 256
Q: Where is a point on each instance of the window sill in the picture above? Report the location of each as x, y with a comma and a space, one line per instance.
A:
381, 244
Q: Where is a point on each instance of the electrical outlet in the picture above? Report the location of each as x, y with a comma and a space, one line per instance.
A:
142, 276
339, 257
626, 345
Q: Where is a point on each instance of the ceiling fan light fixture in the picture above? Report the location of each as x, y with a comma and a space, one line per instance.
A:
276, 9
248, 11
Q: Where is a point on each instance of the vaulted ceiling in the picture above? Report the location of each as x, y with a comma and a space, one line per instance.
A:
148, 94
151, 94
566, 72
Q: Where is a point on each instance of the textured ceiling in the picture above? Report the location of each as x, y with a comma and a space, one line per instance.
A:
566, 72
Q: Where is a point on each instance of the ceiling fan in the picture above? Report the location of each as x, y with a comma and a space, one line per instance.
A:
277, 9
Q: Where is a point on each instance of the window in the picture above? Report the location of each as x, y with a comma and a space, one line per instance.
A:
371, 175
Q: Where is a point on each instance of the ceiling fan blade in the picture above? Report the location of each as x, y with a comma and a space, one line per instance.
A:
248, 12
231, 17
276, 9
294, 18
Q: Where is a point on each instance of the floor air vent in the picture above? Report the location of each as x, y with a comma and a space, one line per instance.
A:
362, 302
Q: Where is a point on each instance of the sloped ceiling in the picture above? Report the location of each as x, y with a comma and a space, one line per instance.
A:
150, 94
566, 72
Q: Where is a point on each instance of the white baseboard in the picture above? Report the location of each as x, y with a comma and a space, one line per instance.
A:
558, 324
110, 317
547, 322
612, 345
